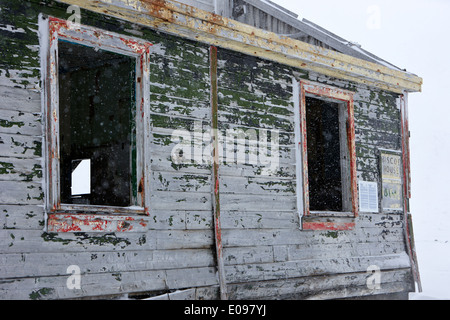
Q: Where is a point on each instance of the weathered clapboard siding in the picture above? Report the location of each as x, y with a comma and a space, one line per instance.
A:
56, 263
176, 250
25, 79
38, 288
16, 98
15, 192
181, 220
305, 252
26, 217
19, 122
20, 146
295, 269
329, 287
19, 169
261, 237
266, 255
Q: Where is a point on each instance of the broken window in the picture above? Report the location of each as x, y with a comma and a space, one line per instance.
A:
328, 159
96, 99
327, 156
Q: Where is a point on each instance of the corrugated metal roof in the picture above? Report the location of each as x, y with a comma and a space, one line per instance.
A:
308, 28
249, 11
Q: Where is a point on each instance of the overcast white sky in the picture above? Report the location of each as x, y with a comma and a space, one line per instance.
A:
412, 35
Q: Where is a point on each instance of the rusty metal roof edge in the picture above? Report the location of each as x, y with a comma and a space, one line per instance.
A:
183, 20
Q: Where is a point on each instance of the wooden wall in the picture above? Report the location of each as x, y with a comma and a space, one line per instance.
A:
265, 253
176, 250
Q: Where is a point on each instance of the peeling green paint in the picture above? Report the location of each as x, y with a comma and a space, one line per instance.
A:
37, 147
102, 240
260, 217
6, 168
35, 172
10, 124
331, 234
180, 89
41, 293
53, 237
142, 240
9, 168
117, 276
40, 197
83, 238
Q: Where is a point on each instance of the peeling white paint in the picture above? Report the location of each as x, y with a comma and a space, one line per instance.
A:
12, 29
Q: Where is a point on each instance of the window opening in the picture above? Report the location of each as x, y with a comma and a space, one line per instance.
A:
326, 158
97, 112
324, 149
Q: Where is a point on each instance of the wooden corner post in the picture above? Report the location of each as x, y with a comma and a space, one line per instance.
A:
215, 173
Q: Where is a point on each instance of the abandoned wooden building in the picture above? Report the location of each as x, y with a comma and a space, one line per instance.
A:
201, 150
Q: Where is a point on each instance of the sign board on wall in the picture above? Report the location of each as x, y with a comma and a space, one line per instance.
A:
391, 180
368, 196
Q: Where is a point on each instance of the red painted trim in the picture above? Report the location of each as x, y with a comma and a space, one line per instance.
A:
95, 223
339, 95
331, 226
405, 147
352, 151
136, 46
304, 150
215, 172
410, 245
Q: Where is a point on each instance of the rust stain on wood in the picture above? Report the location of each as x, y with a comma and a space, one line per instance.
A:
95, 223
215, 155
196, 24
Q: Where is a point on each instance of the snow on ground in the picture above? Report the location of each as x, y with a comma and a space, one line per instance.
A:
430, 152
432, 236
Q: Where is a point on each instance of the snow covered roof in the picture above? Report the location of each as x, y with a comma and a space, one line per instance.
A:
305, 28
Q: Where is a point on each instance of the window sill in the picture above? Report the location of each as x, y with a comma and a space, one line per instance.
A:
74, 208
332, 214
342, 222
90, 222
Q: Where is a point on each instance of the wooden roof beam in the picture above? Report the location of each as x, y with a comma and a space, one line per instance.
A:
192, 23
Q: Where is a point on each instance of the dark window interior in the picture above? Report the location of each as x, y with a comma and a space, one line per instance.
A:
324, 160
97, 127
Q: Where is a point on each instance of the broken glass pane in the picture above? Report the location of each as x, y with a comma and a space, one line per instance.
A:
81, 177
96, 98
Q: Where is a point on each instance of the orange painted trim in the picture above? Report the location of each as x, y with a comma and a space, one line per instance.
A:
330, 226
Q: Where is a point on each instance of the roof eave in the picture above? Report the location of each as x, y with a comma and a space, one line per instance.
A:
195, 24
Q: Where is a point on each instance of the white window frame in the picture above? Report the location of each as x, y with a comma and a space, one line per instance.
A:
51, 31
